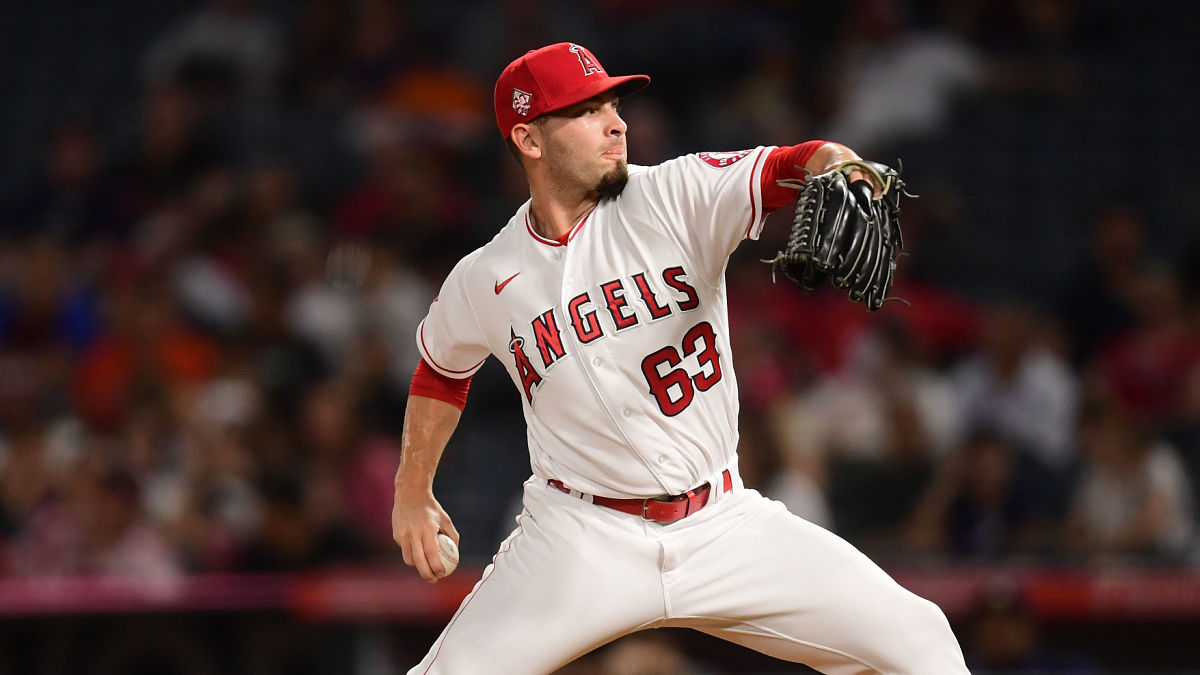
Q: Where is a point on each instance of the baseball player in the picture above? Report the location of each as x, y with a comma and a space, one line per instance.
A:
604, 298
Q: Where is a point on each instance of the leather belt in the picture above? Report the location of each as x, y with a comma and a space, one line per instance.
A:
666, 509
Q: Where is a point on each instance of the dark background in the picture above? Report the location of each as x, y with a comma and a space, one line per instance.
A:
221, 222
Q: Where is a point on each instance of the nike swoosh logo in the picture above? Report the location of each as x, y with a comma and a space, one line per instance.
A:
501, 284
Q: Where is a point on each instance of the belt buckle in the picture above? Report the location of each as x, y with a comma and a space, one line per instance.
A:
646, 508
690, 496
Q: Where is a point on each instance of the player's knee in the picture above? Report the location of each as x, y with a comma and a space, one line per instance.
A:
931, 643
928, 615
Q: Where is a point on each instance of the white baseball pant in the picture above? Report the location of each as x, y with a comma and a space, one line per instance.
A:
574, 576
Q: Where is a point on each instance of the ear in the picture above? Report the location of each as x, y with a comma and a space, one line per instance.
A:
528, 140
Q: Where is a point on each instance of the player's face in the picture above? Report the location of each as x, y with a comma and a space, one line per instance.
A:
585, 148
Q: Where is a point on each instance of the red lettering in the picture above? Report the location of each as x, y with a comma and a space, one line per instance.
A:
672, 275
586, 325
618, 302
549, 339
657, 311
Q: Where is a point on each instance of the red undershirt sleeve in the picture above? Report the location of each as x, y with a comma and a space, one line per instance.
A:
429, 383
781, 164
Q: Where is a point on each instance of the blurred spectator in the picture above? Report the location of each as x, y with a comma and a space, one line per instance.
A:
70, 198
1020, 388
769, 367
241, 222
94, 525
147, 349
225, 48
892, 83
1133, 496
648, 653
787, 462
317, 53
49, 314
981, 503
168, 147
1186, 434
1004, 637
381, 44
409, 199
1148, 367
320, 311
349, 471
874, 429
1099, 303
397, 296
25, 476
118, 540
284, 361
208, 272
872, 498
290, 536
380, 386
762, 103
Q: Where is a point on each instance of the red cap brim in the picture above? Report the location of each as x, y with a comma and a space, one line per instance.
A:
622, 86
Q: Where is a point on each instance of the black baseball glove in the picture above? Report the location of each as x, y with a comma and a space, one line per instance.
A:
843, 233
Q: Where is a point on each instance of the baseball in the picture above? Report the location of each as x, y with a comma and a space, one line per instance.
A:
448, 552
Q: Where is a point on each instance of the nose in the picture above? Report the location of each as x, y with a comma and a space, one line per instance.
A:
616, 125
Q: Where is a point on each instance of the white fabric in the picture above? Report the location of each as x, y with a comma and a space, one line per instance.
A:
593, 422
742, 569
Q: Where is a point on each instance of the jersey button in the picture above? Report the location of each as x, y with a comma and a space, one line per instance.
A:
627, 412
662, 459
558, 254
596, 362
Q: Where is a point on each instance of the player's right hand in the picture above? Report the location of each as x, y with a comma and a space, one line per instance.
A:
416, 520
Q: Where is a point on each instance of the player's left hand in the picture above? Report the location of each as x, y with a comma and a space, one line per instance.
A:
856, 174
846, 230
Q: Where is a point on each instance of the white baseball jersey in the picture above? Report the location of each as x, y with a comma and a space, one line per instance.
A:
619, 345
619, 340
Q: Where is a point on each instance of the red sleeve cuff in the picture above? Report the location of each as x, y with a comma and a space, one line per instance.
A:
430, 383
781, 164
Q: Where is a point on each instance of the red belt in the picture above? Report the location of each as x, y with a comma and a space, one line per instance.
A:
667, 509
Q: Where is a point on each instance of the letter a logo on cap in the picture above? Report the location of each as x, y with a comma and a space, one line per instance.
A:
521, 101
585, 59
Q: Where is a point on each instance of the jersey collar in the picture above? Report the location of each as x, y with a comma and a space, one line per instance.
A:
556, 242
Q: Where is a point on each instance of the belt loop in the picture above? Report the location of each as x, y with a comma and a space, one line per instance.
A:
724, 483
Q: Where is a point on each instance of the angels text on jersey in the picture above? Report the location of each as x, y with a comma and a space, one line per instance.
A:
673, 387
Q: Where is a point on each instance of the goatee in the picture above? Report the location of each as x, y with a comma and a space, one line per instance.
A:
613, 182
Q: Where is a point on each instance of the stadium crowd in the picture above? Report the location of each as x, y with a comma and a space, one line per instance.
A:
207, 316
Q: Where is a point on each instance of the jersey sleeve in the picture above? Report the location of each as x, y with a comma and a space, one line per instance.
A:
449, 338
714, 200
